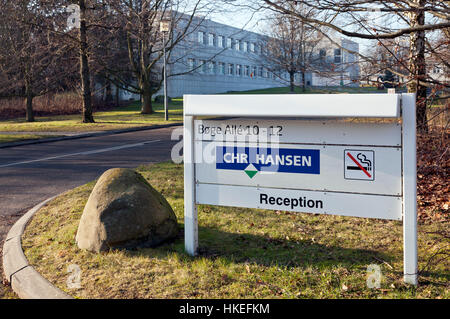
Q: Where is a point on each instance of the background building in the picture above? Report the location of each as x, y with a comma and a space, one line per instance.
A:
337, 64
218, 58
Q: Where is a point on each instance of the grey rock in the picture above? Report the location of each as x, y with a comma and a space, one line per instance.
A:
125, 211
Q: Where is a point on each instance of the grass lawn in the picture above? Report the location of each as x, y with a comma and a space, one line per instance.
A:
130, 116
316, 90
9, 138
244, 253
118, 118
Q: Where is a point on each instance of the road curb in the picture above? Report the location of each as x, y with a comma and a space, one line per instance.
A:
85, 135
26, 282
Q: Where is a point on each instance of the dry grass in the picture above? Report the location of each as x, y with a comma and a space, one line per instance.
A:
117, 118
51, 104
244, 253
9, 138
56, 104
18, 137
439, 118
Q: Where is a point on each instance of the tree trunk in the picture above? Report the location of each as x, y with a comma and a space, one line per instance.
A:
117, 96
108, 97
146, 99
84, 67
29, 97
303, 81
418, 68
291, 82
30, 113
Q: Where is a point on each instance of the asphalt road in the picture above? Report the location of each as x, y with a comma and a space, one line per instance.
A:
30, 174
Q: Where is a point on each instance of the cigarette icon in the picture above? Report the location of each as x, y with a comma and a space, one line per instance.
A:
364, 160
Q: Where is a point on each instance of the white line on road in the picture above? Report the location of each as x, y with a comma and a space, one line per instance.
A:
82, 153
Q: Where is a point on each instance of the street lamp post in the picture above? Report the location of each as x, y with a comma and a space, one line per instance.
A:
164, 27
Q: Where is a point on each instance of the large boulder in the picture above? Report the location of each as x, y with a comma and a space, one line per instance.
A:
124, 211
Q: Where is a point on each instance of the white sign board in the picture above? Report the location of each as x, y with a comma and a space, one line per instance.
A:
303, 157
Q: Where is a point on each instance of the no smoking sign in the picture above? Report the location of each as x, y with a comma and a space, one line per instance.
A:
359, 164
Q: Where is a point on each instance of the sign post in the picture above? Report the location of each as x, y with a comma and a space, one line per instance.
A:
304, 157
190, 206
409, 189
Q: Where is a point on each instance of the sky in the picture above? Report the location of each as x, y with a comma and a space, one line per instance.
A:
231, 13
237, 14
247, 19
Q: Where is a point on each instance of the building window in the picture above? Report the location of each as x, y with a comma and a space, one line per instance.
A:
337, 55
237, 45
254, 71
230, 69
245, 46
203, 66
322, 54
252, 47
221, 68
201, 37
211, 39
260, 72
238, 70
265, 73
211, 67
220, 43
191, 64
247, 70
229, 42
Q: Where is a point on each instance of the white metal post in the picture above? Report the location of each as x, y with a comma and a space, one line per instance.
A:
409, 189
166, 110
190, 208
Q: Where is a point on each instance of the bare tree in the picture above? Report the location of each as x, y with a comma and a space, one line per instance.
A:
75, 22
84, 64
29, 56
138, 22
290, 47
380, 20
119, 40
386, 64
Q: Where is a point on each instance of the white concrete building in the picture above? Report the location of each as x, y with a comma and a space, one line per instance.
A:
224, 58
218, 58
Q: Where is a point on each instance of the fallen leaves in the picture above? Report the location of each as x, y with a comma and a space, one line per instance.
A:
433, 165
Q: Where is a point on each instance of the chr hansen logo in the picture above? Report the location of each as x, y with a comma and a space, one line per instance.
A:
252, 160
